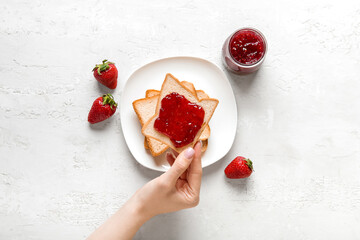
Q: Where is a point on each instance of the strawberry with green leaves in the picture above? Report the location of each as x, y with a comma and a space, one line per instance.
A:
240, 167
106, 73
102, 108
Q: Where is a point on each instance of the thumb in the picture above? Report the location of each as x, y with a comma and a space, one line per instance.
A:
182, 162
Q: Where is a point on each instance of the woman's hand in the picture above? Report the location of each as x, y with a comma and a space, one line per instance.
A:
176, 189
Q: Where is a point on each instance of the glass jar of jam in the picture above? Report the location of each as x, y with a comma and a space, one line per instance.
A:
244, 50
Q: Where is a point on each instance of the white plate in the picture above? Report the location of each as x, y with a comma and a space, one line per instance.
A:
204, 75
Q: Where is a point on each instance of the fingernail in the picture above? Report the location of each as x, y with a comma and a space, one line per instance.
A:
189, 153
201, 144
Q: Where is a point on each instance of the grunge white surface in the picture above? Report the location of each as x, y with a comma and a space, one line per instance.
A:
298, 118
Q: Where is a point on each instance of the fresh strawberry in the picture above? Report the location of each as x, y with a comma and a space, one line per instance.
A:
106, 73
240, 167
102, 108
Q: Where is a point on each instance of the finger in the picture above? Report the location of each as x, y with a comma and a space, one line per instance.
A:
195, 169
170, 158
175, 154
182, 162
184, 175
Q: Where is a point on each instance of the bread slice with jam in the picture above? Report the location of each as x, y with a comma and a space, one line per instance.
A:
173, 85
199, 93
145, 108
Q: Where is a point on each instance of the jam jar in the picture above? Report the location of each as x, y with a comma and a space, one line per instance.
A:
244, 50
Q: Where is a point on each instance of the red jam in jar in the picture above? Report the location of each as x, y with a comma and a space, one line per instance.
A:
244, 50
179, 119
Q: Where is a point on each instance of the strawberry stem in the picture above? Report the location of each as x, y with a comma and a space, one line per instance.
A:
102, 67
109, 99
249, 164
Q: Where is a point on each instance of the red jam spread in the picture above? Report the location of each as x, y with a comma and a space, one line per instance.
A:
179, 119
247, 47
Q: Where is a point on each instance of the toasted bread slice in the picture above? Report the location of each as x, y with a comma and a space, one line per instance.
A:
201, 94
151, 93
156, 148
146, 145
205, 134
145, 109
171, 84
189, 86
204, 145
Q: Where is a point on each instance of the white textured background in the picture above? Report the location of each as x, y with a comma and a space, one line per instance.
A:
299, 118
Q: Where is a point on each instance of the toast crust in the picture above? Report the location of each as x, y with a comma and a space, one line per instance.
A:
204, 145
146, 145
